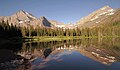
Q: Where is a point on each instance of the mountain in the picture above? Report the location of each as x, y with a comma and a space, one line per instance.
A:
57, 24
103, 15
113, 18
24, 19
97, 17
62, 25
45, 22
54, 22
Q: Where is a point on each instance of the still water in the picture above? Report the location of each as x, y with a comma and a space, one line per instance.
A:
82, 54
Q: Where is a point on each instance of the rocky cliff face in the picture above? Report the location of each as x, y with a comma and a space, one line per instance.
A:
96, 17
45, 22
24, 19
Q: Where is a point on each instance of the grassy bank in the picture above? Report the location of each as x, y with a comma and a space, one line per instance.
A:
60, 38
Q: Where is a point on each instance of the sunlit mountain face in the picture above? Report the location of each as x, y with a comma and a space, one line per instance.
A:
73, 54
98, 17
104, 15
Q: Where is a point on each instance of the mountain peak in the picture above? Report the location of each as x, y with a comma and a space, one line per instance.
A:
45, 21
42, 18
105, 7
21, 11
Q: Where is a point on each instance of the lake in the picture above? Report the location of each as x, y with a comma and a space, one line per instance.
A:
76, 54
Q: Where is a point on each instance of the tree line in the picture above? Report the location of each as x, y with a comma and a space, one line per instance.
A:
112, 29
7, 30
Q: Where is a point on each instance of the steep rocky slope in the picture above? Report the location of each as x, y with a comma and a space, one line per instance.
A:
24, 19
102, 15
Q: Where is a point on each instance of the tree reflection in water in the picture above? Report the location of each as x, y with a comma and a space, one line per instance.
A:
103, 51
47, 52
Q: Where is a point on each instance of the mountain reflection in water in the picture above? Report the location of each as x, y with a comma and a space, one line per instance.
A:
82, 54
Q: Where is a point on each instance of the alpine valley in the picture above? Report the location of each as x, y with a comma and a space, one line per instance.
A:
30, 43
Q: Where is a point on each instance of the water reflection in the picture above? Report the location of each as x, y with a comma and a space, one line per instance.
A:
95, 54
47, 52
10, 60
85, 54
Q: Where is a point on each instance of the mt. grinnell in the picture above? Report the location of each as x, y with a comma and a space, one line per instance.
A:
101, 16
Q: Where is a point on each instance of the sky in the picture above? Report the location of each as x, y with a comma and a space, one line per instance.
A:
67, 11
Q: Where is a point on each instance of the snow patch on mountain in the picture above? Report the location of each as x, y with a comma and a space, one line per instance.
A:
97, 22
27, 20
103, 8
103, 13
29, 15
94, 18
21, 21
60, 26
111, 10
110, 13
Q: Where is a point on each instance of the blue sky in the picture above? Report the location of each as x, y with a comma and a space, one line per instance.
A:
67, 11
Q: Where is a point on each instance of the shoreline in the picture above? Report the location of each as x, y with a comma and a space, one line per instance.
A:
60, 38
